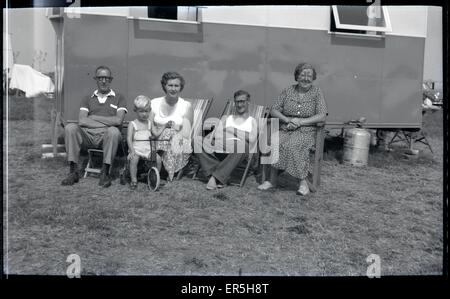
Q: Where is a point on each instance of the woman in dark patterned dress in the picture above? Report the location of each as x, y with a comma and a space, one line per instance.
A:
298, 108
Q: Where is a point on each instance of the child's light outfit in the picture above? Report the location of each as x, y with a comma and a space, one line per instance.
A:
141, 143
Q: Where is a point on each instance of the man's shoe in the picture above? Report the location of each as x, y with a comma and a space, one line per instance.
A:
107, 181
71, 179
101, 182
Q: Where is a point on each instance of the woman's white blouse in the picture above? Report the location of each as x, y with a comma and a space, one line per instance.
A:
181, 107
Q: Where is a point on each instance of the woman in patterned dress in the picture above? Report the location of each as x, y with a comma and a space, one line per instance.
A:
298, 108
175, 115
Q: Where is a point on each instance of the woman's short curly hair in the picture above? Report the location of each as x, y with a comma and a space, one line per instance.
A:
170, 76
303, 66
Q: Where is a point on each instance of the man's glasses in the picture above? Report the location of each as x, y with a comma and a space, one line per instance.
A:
102, 78
240, 101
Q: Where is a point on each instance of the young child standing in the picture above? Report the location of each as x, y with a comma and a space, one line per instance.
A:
138, 136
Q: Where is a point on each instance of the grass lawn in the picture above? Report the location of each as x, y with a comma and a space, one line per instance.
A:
393, 208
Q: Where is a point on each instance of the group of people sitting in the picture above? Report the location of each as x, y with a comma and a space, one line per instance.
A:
169, 119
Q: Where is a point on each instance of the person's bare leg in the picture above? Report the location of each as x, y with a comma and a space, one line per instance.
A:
272, 182
133, 168
158, 161
273, 176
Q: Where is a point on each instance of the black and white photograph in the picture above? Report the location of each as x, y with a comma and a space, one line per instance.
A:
223, 140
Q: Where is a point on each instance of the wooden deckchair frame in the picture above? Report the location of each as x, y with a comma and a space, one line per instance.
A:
318, 156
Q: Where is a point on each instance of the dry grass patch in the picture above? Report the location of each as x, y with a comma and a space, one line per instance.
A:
392, 207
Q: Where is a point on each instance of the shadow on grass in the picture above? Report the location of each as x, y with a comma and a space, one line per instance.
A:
298, 229
198, 263
221, 196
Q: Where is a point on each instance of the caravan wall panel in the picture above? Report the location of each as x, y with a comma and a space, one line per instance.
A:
91, 41
379, 79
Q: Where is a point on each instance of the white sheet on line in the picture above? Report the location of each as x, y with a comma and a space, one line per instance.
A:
32, 82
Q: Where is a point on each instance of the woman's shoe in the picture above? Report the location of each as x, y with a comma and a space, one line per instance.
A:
212, 185
303, 189
265, 186
133, 185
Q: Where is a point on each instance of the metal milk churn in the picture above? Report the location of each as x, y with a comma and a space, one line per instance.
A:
356, 146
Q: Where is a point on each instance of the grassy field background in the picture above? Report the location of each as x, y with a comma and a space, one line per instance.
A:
393, 208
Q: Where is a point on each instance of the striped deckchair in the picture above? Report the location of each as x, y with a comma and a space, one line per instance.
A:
201, 108
259, 113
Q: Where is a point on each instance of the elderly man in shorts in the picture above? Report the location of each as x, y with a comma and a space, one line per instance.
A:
101, 115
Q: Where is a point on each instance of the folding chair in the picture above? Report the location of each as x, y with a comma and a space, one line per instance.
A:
92, 152
259, 113
411, 136
422, 138
201, 109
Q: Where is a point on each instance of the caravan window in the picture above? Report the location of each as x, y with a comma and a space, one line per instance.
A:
182, 13
361, 20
